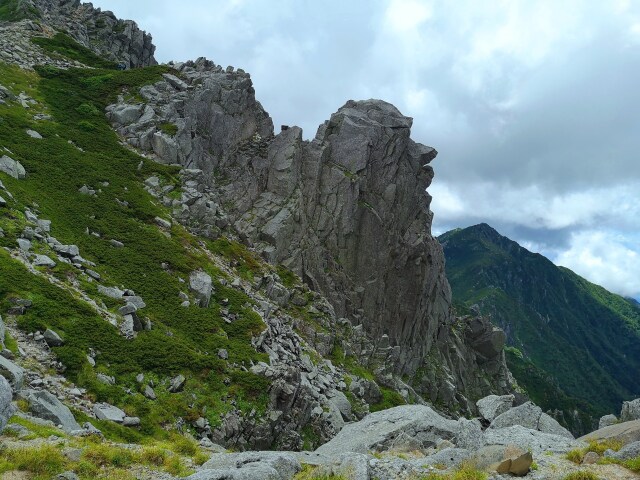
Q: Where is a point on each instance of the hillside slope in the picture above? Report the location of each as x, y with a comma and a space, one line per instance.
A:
584, 338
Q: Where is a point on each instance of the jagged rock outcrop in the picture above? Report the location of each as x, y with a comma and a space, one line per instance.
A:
347, 211
113, 39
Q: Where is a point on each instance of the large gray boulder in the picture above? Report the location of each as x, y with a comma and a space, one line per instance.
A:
46, 406
400, 428
104, 411
249, 466
52, 338
627, 452
6, 407
630, 410
12, 167
530, 416
201, 285
493, 405
528, 439
12, 372
625, 432
607, 420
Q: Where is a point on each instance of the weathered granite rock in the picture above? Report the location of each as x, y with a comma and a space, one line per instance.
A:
201, 285
416, 426
249, 466
52, 338
340, 211
177, 384
607, 420
104, 411
625, 432
491, 406
45, 405
528, 439
627, 452
43, 261
12, 167
6, 407
118, 40
630, 410
12, 372
530, 416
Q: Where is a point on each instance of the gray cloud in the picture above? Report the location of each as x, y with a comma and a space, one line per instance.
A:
533, 106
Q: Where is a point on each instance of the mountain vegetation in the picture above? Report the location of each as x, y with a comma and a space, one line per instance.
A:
574, 346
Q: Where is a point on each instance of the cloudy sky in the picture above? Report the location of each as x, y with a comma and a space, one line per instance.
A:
533, 106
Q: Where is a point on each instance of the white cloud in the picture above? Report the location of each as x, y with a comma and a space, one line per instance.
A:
534, 207
606, 259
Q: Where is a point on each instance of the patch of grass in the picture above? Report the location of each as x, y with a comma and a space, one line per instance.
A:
10, 343
44, 461
390, 399
248, 264
581, 475
289, 279
170, 129
309, 472
37, 431
64, 45
466, 471
577, 455
633, 464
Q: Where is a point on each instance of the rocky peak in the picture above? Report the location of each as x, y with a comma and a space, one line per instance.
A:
117, 40
348, 212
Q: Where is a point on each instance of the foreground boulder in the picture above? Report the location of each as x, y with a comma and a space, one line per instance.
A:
249, 466
408, 427
46, 406
504, 459
530, 440
530, 416
6, 407
625, 432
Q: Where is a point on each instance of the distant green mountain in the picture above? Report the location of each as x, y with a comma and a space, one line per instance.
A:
572, 344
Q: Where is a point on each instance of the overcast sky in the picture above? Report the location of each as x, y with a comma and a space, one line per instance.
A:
533, 106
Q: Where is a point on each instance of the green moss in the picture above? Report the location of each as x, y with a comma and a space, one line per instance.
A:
390, 399
168, 128
289, 279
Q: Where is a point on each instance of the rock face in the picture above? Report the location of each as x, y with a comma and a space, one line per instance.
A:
6, 407
113, 39
347, 211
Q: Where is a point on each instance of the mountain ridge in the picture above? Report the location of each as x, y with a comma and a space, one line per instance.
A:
572, 329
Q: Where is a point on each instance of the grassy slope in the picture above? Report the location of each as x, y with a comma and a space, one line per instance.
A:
583, 337
183, 339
